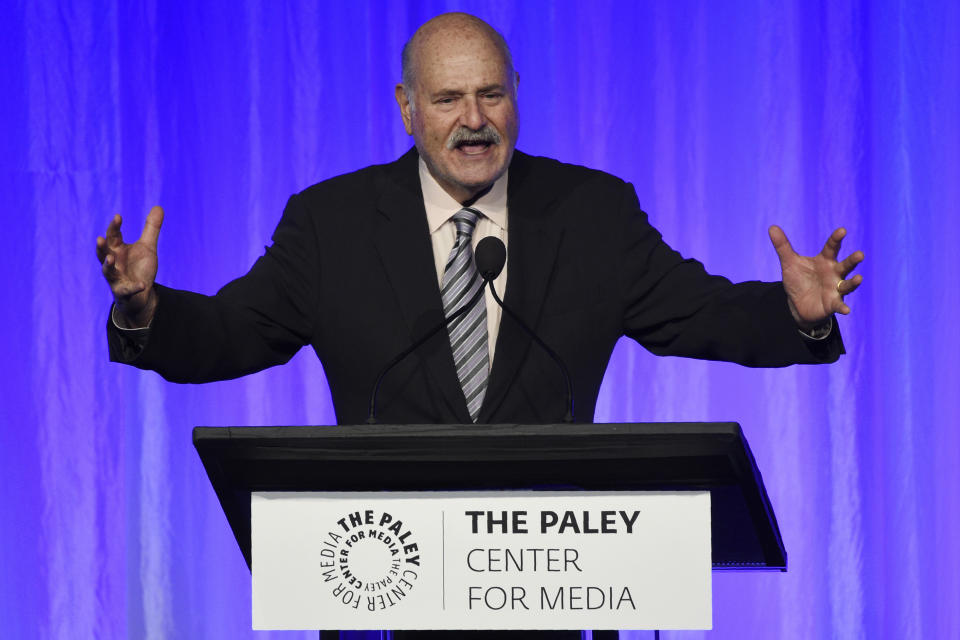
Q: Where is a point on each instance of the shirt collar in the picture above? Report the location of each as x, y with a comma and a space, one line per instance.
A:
441, 206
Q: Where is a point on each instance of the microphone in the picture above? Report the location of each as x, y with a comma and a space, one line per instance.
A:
491, 255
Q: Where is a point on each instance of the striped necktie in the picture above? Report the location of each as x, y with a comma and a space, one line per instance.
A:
468, 333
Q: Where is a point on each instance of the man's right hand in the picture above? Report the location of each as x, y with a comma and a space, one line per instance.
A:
130, 269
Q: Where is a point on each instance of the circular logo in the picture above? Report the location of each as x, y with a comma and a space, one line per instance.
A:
371, 559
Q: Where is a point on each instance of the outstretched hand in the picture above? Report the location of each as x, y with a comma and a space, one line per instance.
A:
816, 285
130, 269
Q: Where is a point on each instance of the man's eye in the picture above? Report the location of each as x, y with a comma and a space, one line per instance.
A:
446, 100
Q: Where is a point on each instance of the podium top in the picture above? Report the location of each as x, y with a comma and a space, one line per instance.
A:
600, 457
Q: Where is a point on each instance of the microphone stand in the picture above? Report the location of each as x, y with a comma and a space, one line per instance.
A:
568, 418
372, 415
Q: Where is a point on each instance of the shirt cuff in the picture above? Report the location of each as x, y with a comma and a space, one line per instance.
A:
821, 332
116, 325
126, 344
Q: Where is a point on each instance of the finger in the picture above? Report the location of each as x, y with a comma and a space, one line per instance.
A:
120, 286
850, 263
832, 247
109, 268
113, 236
851, 285
151, 228
101, 249
780, 243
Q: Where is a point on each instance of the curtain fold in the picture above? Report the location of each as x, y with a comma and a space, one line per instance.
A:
727, 118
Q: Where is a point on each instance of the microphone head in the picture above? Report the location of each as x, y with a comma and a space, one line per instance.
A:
490, 255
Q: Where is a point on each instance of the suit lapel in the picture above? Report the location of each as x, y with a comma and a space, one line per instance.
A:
531, 254
402, 239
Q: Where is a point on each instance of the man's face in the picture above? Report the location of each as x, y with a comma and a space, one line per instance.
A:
464, 113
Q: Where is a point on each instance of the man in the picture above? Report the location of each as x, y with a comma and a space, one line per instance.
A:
364, 264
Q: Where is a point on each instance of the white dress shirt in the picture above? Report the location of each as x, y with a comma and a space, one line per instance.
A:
441, 207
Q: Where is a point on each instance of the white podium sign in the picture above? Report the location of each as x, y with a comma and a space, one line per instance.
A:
492, 560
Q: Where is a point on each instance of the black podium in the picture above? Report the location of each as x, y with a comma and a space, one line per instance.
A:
710, 457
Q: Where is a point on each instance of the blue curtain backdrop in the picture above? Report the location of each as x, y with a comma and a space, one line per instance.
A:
727, 116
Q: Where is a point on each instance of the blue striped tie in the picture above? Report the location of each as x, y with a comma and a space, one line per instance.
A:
468, 333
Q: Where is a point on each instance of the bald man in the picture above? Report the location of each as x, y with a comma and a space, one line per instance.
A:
359, 269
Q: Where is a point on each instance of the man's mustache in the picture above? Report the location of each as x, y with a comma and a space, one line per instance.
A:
463, 135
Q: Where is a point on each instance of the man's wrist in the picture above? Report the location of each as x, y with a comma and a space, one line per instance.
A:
142, 320
808, 327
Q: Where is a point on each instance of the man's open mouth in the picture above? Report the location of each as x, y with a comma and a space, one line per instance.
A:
473, 148
473, 143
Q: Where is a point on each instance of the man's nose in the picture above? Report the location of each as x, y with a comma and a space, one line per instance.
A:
473, 117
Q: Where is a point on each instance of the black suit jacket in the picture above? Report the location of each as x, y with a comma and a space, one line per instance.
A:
351, 272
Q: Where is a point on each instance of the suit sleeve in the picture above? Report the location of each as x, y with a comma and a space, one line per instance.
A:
672, 306
256, 321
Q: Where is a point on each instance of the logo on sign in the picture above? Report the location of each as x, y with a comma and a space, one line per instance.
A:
371, 559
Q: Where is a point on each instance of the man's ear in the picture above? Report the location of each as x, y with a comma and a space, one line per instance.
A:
406, 109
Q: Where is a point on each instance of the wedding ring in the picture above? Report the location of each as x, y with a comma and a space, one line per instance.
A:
840, 282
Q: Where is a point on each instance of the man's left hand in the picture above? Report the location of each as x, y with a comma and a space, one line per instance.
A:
816, 285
